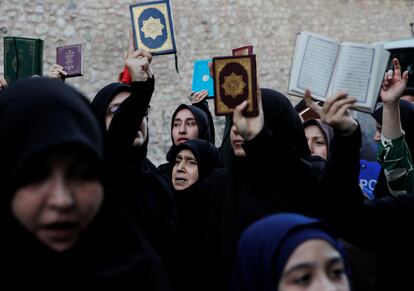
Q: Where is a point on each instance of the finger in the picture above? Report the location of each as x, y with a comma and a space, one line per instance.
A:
343, 111
210, 68
397, 68
238, 111
62, 71
336, 106
390, 75
405, 76
309, 102
331, 100
131, 46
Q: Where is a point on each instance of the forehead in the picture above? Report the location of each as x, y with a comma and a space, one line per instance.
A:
120, 97
184, 114
186, 153
313, 130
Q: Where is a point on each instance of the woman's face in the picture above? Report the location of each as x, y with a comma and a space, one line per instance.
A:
59, 201
111, 111
237, 142
377, 135
314, 265
185, 170
316, 141
184, 127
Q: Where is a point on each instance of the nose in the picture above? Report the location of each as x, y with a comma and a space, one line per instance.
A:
180, 166
377, 136
311, 147
183, 128
60, 195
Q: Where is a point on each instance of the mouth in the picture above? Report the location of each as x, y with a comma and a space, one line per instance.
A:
182, 140
239, 142
60, 231
180, 180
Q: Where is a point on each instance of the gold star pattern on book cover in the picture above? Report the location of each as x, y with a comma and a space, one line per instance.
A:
152, 27
233, 85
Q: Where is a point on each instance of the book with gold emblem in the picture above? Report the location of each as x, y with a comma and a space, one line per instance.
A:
152, 27
234, 82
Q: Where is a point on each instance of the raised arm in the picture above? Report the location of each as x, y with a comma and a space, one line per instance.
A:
393, 152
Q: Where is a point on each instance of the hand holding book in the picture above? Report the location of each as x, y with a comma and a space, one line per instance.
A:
335, 111
248, 126
57, 72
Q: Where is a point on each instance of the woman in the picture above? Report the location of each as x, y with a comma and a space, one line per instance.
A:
192, 162
187, 122
136, 183
58, 225
290, 251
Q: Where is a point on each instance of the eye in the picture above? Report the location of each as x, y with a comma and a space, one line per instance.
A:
302, 280
176, 124
177, 160
192, 162
191, 123
337, 272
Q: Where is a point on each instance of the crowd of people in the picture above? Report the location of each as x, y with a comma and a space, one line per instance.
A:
277, 206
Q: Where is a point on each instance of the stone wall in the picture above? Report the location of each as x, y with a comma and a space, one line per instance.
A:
203, 28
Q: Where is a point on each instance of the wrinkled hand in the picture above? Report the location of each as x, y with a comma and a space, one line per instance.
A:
3, 83
57, 72
249, 126
335, 111
196, 97
394, 84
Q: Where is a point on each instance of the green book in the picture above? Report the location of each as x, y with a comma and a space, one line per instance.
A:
23, 58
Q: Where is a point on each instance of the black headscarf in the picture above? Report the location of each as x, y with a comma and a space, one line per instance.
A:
38, 116
104, 96
407, 123
201, 118
281, 117
100, 104
205, 153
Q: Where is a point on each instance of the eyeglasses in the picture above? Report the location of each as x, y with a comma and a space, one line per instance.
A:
113, 109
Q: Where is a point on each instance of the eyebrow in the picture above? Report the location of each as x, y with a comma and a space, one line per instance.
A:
305, 265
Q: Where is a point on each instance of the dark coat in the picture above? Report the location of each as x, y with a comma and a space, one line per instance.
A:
141, 190
38, 115
383, 225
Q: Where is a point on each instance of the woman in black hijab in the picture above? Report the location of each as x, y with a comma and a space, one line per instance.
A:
187, 122
192, 162
266, 162
58, 225
136, 183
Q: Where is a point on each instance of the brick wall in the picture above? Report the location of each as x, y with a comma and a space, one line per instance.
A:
204, 28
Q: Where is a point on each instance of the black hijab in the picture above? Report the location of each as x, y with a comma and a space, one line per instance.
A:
202, 120
37, 116
100, 104
205, 153
104, 97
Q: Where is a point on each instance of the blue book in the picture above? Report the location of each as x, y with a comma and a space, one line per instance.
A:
201, 77
152, 27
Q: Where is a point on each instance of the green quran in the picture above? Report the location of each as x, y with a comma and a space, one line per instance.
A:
23, 58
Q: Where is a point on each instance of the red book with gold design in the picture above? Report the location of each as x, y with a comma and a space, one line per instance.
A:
234, 82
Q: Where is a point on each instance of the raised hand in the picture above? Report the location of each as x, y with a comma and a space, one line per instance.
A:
196, 97
394, 84
3, 83
57, 72
138, 62
335, 111
249, 126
